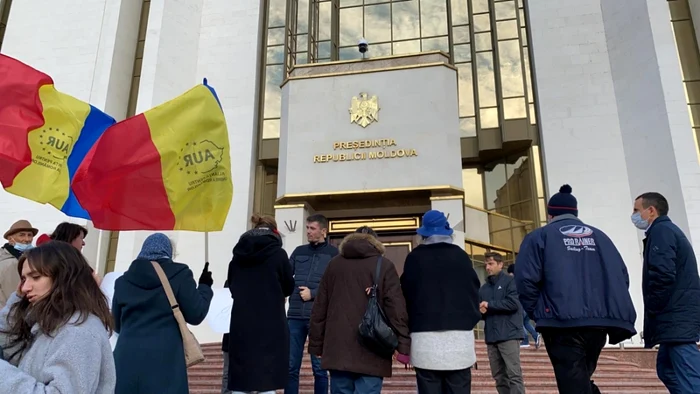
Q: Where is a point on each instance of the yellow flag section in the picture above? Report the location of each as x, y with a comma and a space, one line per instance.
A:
191, 136
46, 179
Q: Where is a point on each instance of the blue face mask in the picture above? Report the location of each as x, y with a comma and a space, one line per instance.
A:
22, 247
639, 222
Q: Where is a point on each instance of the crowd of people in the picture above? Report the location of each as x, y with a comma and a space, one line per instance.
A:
568, 277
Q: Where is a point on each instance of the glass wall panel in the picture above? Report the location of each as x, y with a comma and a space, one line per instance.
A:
378, 22
511, 69
398, 24
689, 58
403, 20
472, 183
486, 41
509, 195
433, 18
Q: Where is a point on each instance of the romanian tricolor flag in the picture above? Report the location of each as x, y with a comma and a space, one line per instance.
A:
44, 136
166, 169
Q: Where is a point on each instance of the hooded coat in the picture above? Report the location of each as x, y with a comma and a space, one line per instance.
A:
342, 301
260, 278
149, 356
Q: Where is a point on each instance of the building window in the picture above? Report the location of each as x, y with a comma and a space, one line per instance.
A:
504, 200
5, 6
689, 58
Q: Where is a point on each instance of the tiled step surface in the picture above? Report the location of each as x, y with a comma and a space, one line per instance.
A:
612, 376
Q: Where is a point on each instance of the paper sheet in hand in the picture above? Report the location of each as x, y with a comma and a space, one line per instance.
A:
107, 285
219, 316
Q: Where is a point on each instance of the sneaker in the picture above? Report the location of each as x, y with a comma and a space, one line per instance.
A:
538, 341
524, 345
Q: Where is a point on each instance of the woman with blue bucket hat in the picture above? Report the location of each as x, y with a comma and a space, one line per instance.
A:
441, 290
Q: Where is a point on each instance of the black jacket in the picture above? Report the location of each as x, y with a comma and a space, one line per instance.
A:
259, 279
503, 320
224, 340
670, 285
441, 289
308, 262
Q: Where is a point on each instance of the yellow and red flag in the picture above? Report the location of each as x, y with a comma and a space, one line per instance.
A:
44, 136
166, 169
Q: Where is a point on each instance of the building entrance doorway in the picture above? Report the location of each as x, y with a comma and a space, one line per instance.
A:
398, 234
398, 246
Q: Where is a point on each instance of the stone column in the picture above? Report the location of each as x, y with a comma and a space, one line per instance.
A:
454, 207
291, 223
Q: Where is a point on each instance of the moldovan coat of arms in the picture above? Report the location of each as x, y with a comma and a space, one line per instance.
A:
364, 110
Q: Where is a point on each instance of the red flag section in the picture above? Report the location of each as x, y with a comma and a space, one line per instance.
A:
20, 112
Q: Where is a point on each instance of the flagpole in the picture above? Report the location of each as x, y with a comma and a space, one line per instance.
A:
206, 247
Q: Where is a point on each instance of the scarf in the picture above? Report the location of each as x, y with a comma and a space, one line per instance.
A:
16, 253
156, 247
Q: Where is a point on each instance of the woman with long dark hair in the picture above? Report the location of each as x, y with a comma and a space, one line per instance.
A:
54, 330
71, 233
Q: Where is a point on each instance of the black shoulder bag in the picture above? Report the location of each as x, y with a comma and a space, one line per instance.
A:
375, 332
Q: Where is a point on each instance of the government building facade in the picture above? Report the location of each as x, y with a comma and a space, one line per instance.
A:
479, 108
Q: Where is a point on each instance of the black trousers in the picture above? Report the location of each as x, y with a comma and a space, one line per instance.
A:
574, 355
444, 382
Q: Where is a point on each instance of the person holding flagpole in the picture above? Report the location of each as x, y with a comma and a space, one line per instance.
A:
149, 355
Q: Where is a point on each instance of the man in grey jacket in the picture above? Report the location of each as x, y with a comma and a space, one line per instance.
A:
19, 238
502, 326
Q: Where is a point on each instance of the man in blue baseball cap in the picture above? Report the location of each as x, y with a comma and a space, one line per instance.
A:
441, 290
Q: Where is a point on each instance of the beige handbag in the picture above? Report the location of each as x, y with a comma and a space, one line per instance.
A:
193, 351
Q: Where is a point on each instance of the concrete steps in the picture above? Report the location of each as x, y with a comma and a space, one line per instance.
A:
612, 375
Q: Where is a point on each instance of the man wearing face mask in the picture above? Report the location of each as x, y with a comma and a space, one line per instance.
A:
19, 238
671, 290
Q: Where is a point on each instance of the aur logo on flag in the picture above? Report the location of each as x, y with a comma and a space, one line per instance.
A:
51, 146
199, 161
55, 143
200, 157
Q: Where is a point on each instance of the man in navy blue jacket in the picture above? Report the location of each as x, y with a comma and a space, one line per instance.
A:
573, 282
309, 262
671, 290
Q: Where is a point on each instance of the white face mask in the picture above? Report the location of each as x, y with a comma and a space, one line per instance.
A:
22, 247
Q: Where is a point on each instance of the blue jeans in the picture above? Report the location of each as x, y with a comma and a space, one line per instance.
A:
678, 366
527, 327
354, 383
298, 331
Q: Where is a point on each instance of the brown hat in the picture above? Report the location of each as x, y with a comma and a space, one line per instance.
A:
20, 225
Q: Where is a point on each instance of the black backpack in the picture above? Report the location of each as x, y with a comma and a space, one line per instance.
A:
375, 332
